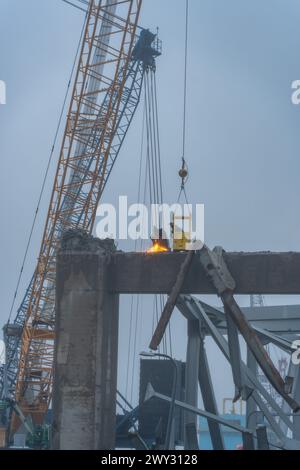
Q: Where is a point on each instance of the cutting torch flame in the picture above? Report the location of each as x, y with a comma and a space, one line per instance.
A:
157, 248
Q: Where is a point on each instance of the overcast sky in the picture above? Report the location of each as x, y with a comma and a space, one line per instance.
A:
243, 131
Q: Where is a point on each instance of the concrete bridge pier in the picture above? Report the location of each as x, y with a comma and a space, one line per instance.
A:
86, 351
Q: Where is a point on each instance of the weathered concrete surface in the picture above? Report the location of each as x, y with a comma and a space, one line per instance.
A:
85, 363
89, 279
254, 273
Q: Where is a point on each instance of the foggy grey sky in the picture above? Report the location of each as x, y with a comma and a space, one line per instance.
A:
243, 131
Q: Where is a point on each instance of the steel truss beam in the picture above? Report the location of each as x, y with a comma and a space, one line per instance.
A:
191, 308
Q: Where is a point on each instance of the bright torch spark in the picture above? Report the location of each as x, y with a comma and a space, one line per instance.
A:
157, 248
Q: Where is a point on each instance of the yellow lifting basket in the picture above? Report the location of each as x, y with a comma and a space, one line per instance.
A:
181, 233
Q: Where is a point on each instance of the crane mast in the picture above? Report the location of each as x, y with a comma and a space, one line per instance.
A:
105, 95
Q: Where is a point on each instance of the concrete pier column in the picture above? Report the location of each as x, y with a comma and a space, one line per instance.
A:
86, 351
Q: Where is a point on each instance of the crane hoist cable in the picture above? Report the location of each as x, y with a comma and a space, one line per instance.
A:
185, 77
155, 177
153, 185
132, 313
153, 145
153, 192
183, 172
164, 321
184, 176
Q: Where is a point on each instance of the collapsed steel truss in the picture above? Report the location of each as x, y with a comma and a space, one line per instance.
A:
283, 420
263, 411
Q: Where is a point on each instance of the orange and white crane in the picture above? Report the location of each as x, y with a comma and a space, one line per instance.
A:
106, 91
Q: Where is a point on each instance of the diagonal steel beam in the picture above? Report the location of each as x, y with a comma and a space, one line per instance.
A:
195, 309
235, 358
215, 267
258, 389
151, 393
191, 384
208, 397
171, 302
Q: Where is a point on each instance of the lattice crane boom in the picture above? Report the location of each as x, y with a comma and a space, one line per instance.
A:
106, 93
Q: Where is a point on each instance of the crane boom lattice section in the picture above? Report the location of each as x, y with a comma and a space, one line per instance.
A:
104, 98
